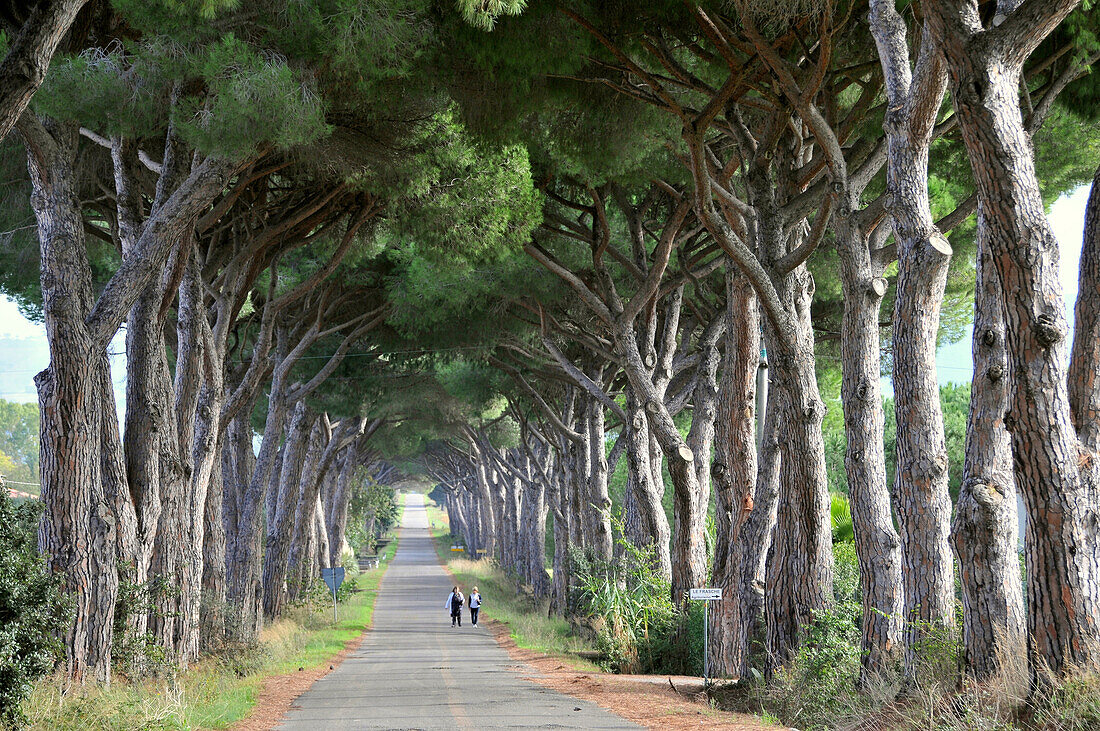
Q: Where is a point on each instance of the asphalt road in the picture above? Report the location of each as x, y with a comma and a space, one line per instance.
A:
414, 671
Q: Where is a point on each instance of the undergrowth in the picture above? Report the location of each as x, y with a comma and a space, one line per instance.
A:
225, 684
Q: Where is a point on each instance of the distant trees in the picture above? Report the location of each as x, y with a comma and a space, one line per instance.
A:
353, 241
19, 443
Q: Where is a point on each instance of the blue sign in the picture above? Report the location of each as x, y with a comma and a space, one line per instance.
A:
333, 577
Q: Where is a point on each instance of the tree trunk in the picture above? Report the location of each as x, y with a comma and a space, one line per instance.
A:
75, 535
487, 518
1052, 470
985, 532
689, 547
559, 591
800, 577
534, 534
878, 547
321, 556
341, 498
700, 437
921, 499
304, 443
734, 474
758, 534
28, 57
212, 611
597, 506
652, 522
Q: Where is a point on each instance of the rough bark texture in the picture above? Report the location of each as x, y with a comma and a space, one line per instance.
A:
76, 532
985, 532
688, 548
341, 497
559, 589
652, 523
800, 575
301, 454
734, 474
598, 503
877, 545
757, 535
921, 499
1060, 494
28, 58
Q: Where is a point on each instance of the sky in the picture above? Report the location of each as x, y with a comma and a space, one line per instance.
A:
1067, 218
24, 352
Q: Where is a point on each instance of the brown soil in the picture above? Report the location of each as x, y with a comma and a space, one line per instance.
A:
280, 691
654, 701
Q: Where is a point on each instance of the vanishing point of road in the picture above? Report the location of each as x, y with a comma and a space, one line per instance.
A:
414, 671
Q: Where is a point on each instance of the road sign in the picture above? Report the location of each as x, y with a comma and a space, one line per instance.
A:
706, 595
333, 577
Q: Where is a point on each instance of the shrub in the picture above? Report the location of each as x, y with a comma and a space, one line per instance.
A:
846, 586
629, 605
33, 613
816, 688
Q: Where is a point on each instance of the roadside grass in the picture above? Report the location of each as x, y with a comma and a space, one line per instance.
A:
221, 688
527, 620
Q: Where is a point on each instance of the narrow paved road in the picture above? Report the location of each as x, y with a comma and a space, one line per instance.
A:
414, 671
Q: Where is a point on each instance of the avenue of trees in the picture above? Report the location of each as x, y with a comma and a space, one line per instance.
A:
514, 246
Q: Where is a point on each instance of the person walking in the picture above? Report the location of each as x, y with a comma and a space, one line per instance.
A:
475, 605
454, 603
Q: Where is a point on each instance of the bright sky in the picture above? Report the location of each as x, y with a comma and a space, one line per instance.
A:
24, 352
23, 349
1067, 218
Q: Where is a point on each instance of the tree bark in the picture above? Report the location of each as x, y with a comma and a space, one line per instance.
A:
24, 67
922, 503
734, 474
1050, 464
652, 523
341, 498
985, 532
878, 547
688, 549
300, 456
598, 502
75, 534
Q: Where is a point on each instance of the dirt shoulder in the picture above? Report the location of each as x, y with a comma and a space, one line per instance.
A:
279, 692
657, 702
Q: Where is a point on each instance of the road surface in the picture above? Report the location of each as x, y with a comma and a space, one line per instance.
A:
414, 671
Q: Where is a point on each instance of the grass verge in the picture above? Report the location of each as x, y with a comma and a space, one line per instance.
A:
223, 688
527, 620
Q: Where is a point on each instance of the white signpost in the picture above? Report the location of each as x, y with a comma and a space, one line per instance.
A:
706, 595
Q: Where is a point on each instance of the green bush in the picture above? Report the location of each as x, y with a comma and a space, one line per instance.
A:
846, 586
817, 687
638, 628
32, 612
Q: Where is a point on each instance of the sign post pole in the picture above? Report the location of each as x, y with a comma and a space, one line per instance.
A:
708, 596
333, 577
706, 644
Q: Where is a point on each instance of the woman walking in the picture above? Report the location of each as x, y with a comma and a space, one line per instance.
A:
454, 603
475, 605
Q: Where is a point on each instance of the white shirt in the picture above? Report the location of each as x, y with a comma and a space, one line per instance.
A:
475, 600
